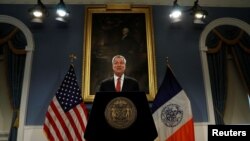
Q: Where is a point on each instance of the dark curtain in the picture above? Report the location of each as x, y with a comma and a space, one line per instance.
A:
221, 41
16, 64
15, 73
217, 72
13, 43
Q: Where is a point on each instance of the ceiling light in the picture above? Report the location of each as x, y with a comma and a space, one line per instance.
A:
38, 12
176, 13
61, 12
198, 13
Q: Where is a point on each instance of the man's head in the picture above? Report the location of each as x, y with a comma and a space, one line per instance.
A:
125, 31
119, 64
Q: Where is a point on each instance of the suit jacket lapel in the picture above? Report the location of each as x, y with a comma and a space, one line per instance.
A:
112, 84
124, 87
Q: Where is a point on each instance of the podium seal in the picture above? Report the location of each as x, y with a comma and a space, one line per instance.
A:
120, 113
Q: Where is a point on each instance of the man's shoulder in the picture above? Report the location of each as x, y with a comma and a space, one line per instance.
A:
130, 78
107, 79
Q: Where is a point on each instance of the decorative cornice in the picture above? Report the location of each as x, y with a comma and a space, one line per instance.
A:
204, 3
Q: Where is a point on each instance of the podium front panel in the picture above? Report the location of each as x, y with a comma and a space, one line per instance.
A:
99, 128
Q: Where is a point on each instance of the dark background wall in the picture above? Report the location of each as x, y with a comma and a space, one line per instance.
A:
54, 42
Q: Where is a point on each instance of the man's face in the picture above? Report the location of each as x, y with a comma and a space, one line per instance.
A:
119, 66
125, 31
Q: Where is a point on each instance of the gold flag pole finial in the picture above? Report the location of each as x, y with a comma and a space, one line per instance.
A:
72, 58
167, 60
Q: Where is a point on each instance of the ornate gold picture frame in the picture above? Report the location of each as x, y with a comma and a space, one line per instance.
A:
104, 29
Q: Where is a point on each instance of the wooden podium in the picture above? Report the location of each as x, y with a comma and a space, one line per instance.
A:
123, 116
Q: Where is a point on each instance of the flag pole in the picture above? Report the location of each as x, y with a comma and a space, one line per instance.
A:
72, 58
167, 60
168, 64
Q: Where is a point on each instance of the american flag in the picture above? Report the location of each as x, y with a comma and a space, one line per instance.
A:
67, 115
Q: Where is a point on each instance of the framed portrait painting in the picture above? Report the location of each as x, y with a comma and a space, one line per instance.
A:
118, 29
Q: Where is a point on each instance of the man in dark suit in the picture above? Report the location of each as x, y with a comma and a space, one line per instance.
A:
119, 82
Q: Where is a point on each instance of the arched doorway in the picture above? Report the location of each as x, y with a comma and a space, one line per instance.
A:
239, 30
27, 68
